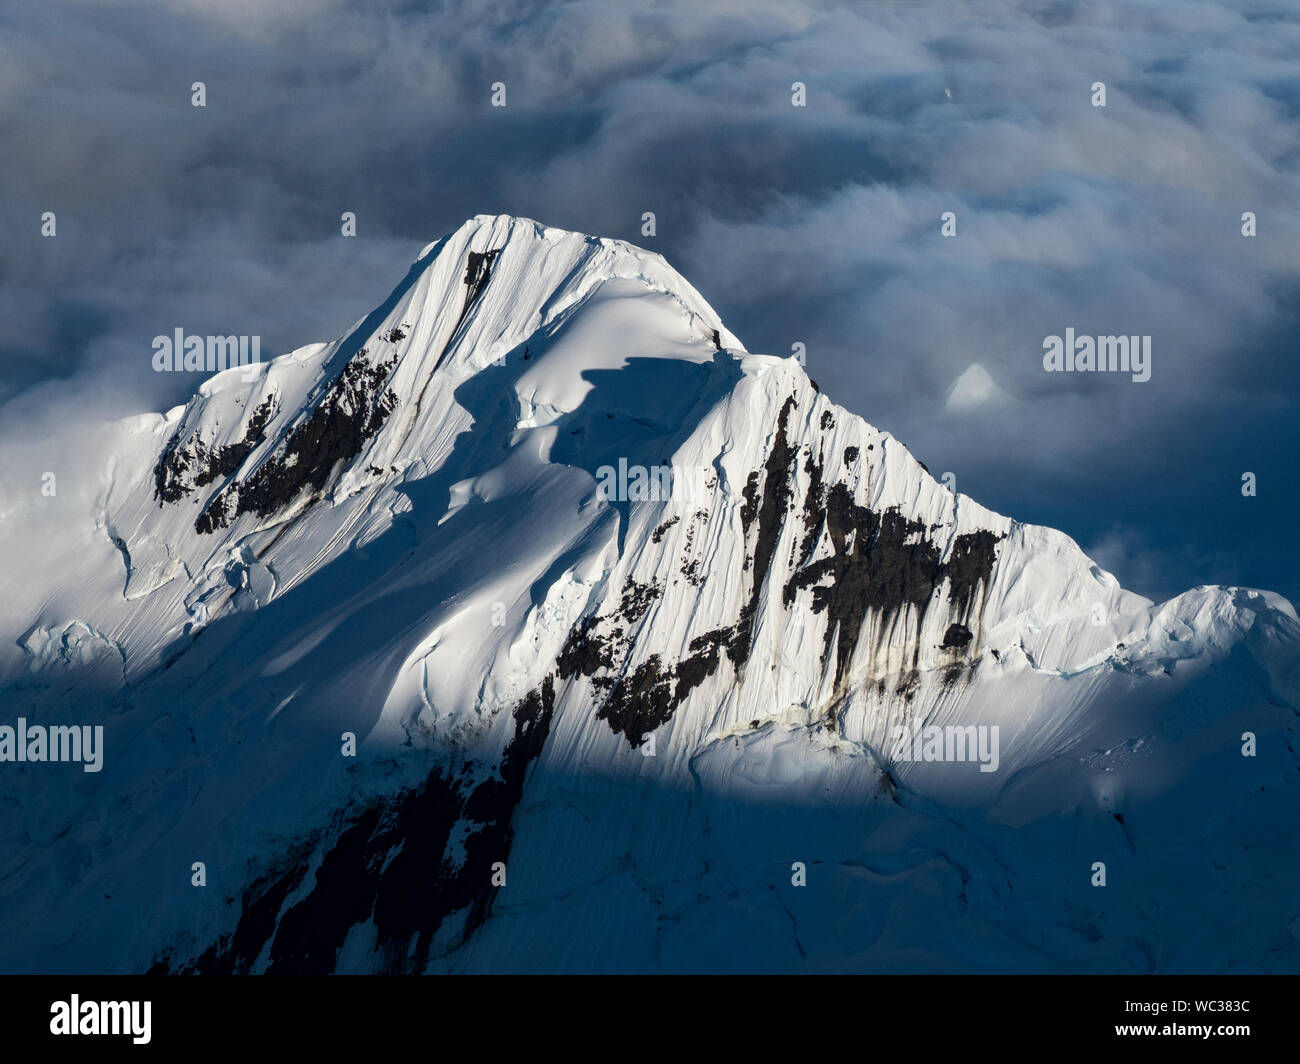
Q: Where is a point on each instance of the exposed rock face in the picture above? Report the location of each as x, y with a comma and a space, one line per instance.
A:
187, 464
353, 410
405, 865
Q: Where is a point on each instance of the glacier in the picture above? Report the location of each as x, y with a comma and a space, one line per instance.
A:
369, 640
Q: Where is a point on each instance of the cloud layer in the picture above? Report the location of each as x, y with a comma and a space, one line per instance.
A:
818, 224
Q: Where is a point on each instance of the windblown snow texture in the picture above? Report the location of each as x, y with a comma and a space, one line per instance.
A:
602, 734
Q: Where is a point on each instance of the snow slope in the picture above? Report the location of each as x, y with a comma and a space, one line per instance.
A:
646, 713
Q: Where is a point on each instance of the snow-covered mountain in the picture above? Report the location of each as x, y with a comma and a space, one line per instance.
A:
627, 624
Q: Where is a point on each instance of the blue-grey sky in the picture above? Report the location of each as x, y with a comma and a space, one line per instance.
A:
816, 224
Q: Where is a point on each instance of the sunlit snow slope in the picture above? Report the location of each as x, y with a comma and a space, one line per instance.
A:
611, 733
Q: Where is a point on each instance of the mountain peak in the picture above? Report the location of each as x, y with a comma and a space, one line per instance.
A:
578, 574
483, 289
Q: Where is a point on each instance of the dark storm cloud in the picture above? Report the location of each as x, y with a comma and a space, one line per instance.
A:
816, 224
